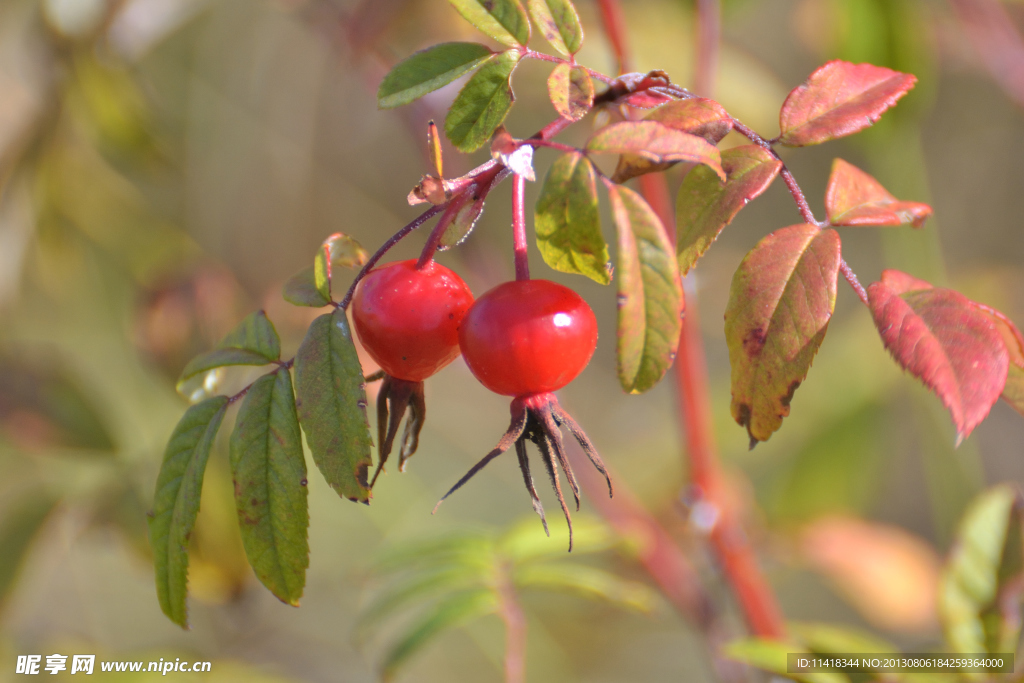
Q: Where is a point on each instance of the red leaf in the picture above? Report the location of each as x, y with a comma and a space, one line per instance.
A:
855, 198
942, 338
656, 142
698, 116
1013, 392
647, 99
780, 304
839, 99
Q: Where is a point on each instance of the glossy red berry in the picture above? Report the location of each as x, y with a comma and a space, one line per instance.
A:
528, 336
408, 319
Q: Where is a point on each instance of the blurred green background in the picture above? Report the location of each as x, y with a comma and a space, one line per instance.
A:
166, 164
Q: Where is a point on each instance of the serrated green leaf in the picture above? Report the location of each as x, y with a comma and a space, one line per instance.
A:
428, 70
176, 503
421, 586
331, 401
650, 293
21, 526
503, 20
571, 91
704, 205
980, 584
589, 582
483, 103
453, 611
780, 303
567, 222
253, 342
269, 472
771, 655
559, 23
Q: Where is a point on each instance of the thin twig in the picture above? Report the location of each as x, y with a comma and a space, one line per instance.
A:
851, 277
515, 628
709, 20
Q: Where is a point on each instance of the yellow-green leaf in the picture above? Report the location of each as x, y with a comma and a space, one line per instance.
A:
253, 342
571, 91
503, 20
780, 304
650, 293
558, 21
567, 222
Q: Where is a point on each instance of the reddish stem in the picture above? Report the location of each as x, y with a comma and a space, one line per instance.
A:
614, 24
553, 145
519, 228
709, 21
454, 205
558, 60
851, 277
515, 629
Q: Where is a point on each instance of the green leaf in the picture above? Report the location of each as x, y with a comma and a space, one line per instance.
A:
176, 502
269, 472
428, 70
979, 590
656, 142
483, 103
588, 582
253, 342
828, 639
571, 91
567, 222
650, 293
453, 611
523, 544
780, 304
332, 405
20, 528
422, 586
312, 286
704, 206
558, 21
503, 20
771, 655
301, 290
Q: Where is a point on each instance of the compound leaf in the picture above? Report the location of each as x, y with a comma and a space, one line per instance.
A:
253, 342
483, 103
567, 222
656, 142
780, 304
269, 473
939, 336
839, 99
704, 206
331, 402
855, 198
650, 293
980, 585
558, 21
503, 20
428, 70
571, 91
176, 502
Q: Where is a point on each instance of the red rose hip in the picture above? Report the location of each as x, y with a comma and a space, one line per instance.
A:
527, 337
408, 319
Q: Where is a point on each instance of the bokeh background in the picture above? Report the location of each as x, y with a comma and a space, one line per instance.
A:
166, 164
